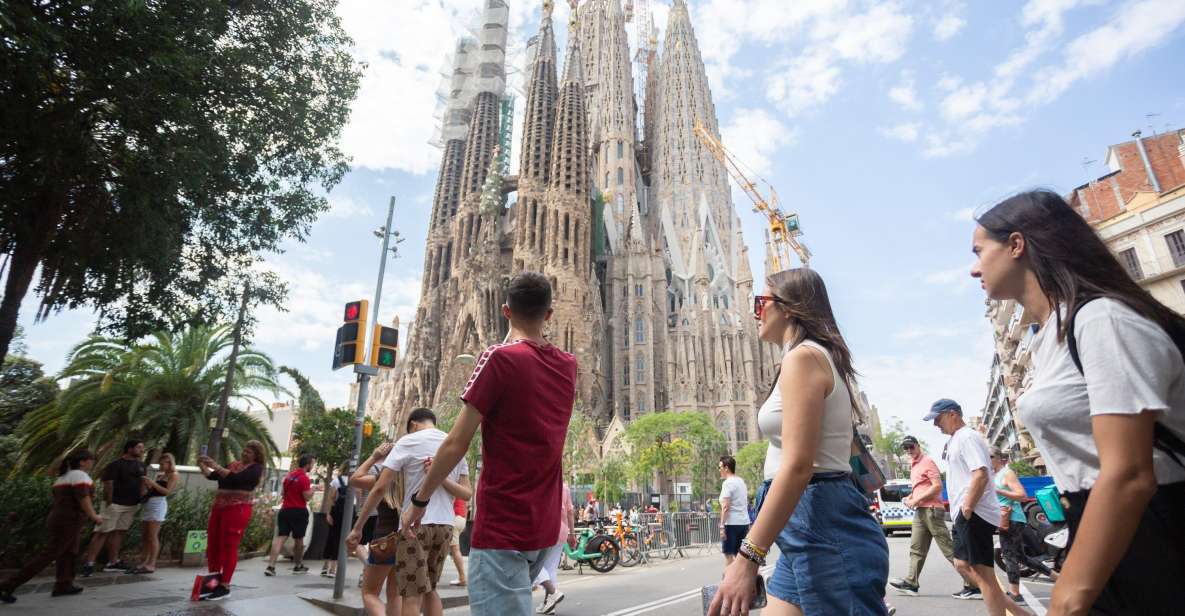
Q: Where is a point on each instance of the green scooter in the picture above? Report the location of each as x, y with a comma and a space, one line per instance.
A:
596, 550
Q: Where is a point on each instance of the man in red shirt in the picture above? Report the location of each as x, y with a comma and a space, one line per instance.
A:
293, 518
521, 394
929, 521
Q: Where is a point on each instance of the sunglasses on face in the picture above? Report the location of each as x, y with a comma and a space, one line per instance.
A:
759, 302
908, 447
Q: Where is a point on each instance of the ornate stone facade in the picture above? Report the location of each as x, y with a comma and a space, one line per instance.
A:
651, 275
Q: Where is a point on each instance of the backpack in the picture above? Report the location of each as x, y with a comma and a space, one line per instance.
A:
1162, 438
343, 490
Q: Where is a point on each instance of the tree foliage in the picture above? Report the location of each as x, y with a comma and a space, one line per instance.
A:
149, 150
23, 388
446, 417
674, 444
611, 476
580, 447
888, 444
329, 436
1023, 468
310, 399
751, 464
164, 390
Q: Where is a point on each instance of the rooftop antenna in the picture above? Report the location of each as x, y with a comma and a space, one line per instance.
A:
1149, 116
1087, 163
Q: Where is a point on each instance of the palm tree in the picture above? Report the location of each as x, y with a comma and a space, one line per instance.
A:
163, 390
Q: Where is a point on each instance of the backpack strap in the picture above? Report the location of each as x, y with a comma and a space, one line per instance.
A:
1162, 438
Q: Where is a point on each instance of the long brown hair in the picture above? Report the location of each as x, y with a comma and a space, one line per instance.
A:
1069, 259
257, 451
801, 292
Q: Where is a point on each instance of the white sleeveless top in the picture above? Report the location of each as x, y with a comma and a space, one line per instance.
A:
835, 444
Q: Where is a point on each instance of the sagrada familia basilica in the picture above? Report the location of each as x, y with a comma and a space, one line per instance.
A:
635, 227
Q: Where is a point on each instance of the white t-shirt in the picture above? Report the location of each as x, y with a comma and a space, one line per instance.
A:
835, 442
737, 494
966, 452
1131, 365
408, 456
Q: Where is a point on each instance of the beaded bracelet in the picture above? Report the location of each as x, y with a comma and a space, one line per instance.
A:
756, 550
748, 554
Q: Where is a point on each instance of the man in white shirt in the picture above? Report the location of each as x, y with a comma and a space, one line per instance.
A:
973, 504
419, 553
734, 513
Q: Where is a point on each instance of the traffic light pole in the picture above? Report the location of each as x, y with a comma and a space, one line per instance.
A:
364, 371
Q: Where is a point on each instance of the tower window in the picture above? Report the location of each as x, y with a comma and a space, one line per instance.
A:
620, 150
639, 331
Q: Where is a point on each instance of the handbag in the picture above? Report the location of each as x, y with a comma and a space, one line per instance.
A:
382, 549
866, 473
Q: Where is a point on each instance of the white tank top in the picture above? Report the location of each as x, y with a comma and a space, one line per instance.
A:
835, 444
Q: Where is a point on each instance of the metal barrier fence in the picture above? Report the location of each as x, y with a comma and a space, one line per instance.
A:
679, 533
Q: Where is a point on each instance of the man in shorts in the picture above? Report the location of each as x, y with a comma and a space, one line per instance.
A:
293, 518
123, 489
734, 515
973, 504
460, 520
521, 395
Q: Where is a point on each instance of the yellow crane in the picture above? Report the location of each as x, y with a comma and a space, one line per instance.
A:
784, 229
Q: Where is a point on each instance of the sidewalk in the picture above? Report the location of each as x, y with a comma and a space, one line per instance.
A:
166, 593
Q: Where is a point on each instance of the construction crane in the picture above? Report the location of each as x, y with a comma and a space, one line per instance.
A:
783, 229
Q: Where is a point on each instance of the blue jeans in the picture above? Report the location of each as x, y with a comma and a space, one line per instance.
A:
834, 556
500, 581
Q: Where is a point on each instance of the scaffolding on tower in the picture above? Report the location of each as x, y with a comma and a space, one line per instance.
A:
646, 38
783, 231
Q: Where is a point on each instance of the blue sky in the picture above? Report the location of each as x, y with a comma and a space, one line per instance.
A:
882, 123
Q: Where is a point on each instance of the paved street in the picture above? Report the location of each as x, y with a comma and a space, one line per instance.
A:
663, 588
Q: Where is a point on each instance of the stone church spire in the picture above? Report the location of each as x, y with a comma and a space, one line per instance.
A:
535, 159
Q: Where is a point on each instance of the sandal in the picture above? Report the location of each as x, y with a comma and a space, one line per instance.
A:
139, 571
461, 583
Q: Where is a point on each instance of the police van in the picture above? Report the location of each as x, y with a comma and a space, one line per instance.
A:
888, 508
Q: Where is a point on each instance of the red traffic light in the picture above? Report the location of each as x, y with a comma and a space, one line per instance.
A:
353, 311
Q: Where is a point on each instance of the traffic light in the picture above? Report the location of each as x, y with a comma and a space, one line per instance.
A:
351, 337
384, 349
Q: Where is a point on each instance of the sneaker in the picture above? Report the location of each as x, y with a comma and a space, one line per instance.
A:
270, 571
1017, 599
73, 590
892, 610
968, 594
6, 597
300, 569
88, 569
903, 587
552, 600
119, 564
219, 593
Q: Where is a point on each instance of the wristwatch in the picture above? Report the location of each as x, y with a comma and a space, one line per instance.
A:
418, 503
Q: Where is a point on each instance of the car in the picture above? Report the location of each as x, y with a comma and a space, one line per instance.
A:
888, 508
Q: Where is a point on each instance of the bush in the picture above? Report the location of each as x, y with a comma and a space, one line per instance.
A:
24, 507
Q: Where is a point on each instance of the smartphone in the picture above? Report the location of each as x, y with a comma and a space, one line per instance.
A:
758, 601
204, 449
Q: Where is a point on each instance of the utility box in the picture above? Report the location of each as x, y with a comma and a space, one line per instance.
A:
194, 554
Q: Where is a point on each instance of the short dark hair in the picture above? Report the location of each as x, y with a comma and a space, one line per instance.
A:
420, 414
729, 462
529, 295
305, 459
130, 445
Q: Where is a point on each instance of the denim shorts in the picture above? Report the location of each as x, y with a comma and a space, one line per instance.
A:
834, 556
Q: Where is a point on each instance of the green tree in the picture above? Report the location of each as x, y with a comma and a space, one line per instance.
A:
152, 149
1023, 468
611, 476
751, 464
164, 390
329, 436
580, 447
446, 417
888, 444
674, 444
310, 399
23, 388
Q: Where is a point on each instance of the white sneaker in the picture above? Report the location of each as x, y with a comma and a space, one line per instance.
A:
552, 600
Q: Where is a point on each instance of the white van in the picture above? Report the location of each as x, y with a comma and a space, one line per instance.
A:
893, 515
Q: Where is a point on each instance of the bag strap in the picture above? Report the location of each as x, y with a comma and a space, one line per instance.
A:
1162, 438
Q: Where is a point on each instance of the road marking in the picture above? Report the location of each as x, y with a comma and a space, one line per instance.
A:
673, 599
1031, 599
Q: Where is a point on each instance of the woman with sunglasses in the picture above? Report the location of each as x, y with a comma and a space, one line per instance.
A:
834, 556
1107, 411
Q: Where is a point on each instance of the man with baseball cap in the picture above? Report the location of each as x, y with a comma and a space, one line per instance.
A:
929, 521
973, 504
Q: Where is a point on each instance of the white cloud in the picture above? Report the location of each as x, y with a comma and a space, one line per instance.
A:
904, 94
755, 136
342, 206
949, 83
880, 35
1135, 27
805, 82
907, 132
966, 214
948, 26
956, 277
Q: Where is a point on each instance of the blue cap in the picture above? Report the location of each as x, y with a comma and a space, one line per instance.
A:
942, 406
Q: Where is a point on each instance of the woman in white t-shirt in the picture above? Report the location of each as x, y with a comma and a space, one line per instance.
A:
834, 559
1104, 423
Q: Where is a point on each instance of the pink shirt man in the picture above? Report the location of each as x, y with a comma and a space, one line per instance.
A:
923, 473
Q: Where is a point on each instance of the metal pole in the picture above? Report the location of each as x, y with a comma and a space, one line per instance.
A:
364, 372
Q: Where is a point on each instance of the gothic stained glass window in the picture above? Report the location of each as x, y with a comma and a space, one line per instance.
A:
639, 331
742, 422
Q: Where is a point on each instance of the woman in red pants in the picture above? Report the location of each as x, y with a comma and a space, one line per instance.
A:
231, 512
71, 508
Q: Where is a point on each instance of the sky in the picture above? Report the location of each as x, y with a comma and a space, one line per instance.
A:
882, 123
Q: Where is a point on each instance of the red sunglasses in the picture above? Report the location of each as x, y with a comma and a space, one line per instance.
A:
759, 302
